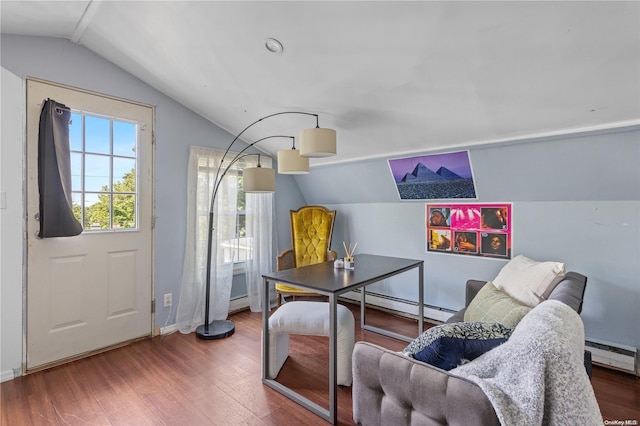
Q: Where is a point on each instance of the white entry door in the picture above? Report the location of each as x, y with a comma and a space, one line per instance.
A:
92, 291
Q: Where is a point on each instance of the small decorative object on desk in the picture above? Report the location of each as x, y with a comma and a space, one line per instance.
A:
349, 261
338, 263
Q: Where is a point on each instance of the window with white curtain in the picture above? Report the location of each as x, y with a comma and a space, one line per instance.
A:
234, 244
236, 248
236, 219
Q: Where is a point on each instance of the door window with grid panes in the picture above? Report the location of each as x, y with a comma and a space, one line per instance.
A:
103, 170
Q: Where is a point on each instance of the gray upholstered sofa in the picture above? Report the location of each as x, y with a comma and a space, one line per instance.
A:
390, 388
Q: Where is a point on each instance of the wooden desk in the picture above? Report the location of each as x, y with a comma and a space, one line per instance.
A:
322, 278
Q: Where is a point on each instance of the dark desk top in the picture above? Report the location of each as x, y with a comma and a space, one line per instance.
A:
323, 277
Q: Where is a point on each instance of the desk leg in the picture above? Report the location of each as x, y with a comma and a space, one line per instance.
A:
363, 293
379, 330
330, 415
333, 367
265, 331
420, 298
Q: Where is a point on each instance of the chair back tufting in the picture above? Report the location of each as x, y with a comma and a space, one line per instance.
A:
311, 231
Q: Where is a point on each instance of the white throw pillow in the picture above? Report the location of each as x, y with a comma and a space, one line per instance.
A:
529, 281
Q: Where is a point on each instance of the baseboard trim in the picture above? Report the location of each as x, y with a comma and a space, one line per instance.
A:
168, 330
5, 376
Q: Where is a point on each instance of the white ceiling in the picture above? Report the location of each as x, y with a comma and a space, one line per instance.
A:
391, 77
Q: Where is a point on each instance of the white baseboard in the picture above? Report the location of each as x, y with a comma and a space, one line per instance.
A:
168, 330
5, 376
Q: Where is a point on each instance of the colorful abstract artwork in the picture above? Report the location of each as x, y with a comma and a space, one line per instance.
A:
469, 229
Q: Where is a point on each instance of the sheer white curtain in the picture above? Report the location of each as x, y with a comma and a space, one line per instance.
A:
260, 233
203, 165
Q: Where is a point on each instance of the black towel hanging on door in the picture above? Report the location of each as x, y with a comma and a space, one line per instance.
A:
54, 173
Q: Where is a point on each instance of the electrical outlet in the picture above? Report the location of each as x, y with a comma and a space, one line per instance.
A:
168, 300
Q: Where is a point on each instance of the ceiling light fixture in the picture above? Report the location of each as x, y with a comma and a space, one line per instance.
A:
273, 45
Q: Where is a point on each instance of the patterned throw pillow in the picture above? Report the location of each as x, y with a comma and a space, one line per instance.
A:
448, 346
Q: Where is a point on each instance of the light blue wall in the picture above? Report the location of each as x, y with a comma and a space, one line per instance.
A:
602, 166
176, 129
287, 197
575, 200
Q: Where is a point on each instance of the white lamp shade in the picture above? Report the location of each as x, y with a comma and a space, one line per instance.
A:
317, 142
258, 179
291, 163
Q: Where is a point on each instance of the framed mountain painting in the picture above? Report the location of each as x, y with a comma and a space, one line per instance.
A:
434, 177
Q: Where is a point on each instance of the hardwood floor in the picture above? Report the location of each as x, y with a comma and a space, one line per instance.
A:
180, 380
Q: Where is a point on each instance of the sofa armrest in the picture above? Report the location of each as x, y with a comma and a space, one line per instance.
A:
570, 290
472, 288
390, 388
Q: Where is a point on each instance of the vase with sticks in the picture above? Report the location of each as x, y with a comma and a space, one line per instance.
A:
349, 261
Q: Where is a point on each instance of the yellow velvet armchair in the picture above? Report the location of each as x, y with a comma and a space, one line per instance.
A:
311, 231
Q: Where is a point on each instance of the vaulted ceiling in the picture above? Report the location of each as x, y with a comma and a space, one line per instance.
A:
392, 77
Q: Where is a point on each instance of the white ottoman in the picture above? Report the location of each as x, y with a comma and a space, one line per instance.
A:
311, 319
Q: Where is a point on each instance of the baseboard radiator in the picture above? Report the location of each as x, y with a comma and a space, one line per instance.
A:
380, 301
606, 354
401, 306
616, 356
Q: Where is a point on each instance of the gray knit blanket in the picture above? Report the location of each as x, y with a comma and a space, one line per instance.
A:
538, 377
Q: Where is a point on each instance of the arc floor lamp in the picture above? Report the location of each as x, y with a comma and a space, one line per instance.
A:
314, 142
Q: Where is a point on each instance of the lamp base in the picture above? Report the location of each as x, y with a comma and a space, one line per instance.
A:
215, 330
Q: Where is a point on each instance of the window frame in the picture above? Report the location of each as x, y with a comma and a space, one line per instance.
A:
111, 193
239, 265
